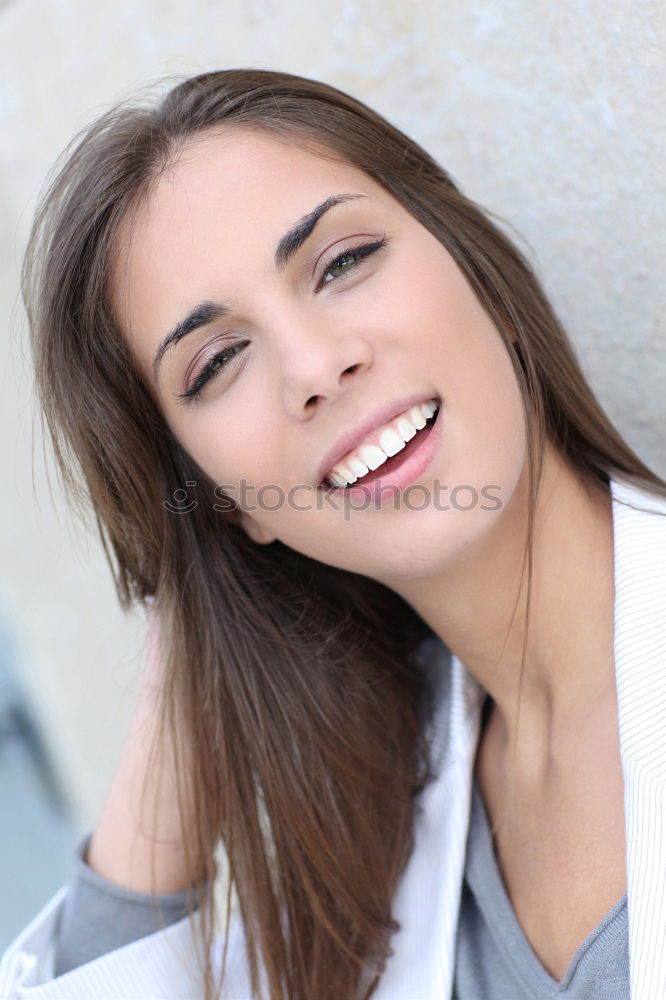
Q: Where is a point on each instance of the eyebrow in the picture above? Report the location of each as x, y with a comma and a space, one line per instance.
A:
206, 312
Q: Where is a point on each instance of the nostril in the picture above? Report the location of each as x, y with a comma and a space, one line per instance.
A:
350, 370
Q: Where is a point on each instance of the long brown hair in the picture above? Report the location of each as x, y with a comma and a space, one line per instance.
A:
293, 688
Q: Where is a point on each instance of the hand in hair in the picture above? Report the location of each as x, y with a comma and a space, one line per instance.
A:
143, 799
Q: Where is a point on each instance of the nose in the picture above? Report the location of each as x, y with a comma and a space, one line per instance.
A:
319, 363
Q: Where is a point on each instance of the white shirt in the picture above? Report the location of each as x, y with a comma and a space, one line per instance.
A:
162, 966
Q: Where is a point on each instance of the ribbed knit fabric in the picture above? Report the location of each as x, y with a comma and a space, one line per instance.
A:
99, 916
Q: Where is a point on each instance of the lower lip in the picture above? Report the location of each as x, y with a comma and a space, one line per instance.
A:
414, 465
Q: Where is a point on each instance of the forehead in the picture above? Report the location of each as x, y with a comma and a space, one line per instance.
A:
257, 180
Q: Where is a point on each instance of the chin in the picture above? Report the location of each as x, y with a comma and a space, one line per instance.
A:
426, 544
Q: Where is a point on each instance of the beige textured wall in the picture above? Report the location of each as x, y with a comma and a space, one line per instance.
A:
552, 115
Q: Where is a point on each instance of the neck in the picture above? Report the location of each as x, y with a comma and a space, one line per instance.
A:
478, 607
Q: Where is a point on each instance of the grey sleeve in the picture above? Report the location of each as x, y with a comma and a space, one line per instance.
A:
99, 916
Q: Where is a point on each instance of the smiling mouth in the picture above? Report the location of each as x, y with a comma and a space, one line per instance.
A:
392, 463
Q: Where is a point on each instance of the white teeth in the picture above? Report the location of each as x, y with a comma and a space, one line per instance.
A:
350, 472
372, 456
347, 475
416, 417
406, 429
357, 467
391, 442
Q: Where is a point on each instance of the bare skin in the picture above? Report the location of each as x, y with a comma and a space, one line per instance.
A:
550, 773
138, 841
559, 830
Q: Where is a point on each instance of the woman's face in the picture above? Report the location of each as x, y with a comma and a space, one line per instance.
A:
287, 313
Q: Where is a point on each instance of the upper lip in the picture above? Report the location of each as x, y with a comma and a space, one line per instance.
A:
354, 435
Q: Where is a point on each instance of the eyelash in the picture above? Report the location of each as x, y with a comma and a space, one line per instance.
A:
218, 361
360, 252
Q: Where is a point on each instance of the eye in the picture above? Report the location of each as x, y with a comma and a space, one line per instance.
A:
210, 369
344, 262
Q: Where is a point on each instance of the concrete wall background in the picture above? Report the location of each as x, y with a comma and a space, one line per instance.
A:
551, 115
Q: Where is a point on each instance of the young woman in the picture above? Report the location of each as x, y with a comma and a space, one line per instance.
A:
408, 584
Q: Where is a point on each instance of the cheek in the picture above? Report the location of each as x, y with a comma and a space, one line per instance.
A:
479, 382
486, 428
240, 458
